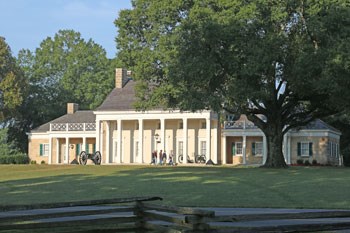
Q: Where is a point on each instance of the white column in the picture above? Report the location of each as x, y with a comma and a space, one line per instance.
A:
107, 155
141, 159
84, 144
289, 149
67, 151
57, 150
208, 134
98, 133
185, 136
244, 149
224, 161
101, 138
285, 148
215, 145
162, 134
264, 149
50, 150
119, 152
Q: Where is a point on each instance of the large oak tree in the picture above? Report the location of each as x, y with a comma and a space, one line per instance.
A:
287, 61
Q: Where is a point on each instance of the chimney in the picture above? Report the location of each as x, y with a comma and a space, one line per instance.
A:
121, 77
72, 108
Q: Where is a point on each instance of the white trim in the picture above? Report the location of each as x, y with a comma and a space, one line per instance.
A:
308, 148
208, 138
224, 159
108, 138
141, 158
185, 141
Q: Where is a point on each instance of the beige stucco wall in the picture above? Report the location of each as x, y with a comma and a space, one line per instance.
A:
34, 150
319, 149
57, 143
238, 159
320, 152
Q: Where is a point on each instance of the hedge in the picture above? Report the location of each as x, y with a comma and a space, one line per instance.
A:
14, 159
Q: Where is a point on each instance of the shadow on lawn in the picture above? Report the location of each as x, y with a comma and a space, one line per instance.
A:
186, 186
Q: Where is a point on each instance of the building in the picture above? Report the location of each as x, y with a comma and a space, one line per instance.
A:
126, 136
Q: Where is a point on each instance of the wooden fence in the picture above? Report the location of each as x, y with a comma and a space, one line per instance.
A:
139, 215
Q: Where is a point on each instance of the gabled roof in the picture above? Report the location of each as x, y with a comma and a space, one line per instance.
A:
318, 125
77, 117
120, 99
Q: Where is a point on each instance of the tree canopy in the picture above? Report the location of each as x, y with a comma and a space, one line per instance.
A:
65, 68
282, 63
12, 82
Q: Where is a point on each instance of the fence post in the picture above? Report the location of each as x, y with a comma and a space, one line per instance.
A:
139, 213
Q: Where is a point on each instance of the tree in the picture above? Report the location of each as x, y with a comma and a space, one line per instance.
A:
12, 83
282, 63
65, 68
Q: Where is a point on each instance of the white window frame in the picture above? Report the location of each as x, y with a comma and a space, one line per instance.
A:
180, 149
258, 153
46, 149
303, 149
202, 147
241, 145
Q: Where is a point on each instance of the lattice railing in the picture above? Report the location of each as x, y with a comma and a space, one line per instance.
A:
72, 126
239, 125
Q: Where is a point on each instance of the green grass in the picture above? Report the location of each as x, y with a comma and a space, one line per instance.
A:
295, 187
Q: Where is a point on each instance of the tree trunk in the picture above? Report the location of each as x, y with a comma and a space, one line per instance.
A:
274, 139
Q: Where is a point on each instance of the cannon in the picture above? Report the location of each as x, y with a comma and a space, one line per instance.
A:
96, 157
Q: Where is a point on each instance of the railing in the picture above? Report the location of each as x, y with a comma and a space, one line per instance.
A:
239, 125
72, 126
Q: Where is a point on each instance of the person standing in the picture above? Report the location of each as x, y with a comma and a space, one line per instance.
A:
160, 157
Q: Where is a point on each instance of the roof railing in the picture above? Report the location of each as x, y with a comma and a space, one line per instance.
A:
72, 126
239, 125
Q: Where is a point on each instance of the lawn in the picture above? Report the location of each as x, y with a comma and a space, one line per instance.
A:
295, 187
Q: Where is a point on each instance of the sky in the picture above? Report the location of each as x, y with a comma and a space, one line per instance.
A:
26, 23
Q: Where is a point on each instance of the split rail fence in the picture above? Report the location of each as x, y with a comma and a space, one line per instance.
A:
139, 215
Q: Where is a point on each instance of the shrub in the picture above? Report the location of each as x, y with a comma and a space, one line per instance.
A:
42, 162
314, 162
300, 161
14, 159
307, 163
33, 162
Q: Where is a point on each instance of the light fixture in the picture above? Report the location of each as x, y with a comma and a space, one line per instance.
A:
156, 137
71, 146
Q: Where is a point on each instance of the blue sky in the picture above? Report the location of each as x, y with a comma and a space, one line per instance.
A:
25, 23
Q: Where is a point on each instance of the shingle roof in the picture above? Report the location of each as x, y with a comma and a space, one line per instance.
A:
77, 117
319, 125
120, 99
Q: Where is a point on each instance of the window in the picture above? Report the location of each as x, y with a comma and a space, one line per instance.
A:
181, 125
203, 150
304, 148
181, 148
44, 149
158, 125
257, 148
137, 126
333, 149
239, 148
78, 149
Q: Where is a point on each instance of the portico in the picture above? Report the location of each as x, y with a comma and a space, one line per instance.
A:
130, 136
